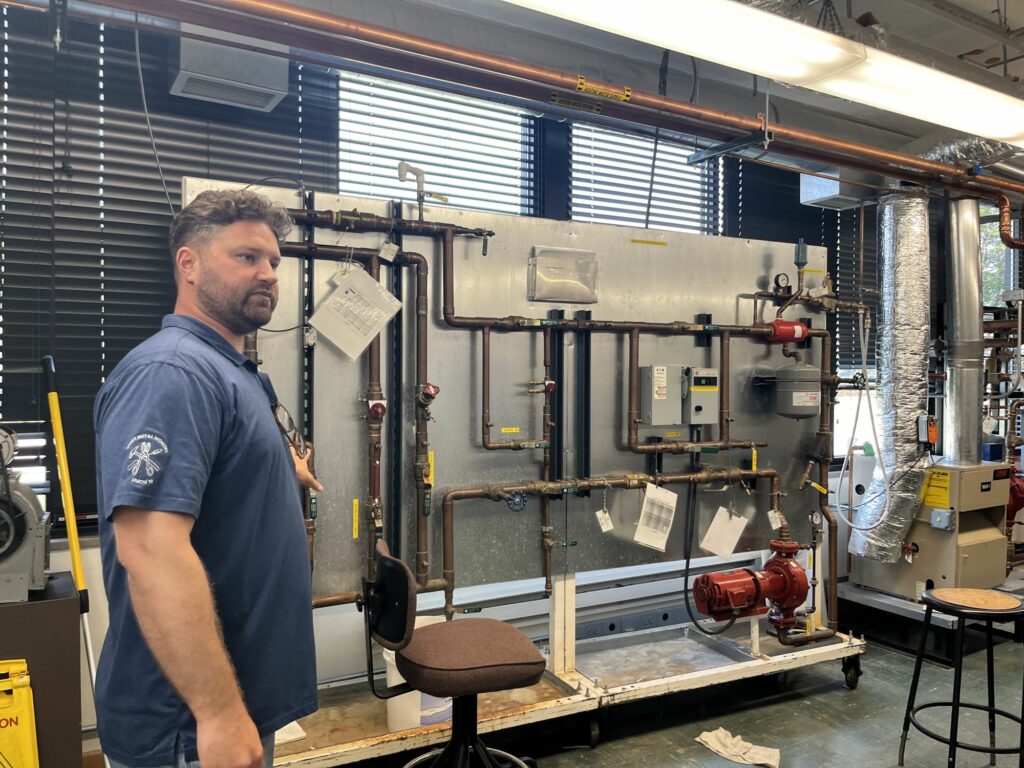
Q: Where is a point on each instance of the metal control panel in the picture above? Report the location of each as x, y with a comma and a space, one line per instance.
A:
661, 395
700, 396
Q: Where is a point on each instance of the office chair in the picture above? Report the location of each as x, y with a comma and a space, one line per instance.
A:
460, 659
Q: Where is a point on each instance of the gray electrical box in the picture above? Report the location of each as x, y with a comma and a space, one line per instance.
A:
700, 396
661, 395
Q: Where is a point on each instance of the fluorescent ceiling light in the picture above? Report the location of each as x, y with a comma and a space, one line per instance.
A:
736, 35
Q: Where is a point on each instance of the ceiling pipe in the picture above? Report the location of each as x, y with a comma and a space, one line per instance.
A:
338, 36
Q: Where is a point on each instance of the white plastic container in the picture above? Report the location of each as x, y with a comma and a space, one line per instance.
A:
411, 710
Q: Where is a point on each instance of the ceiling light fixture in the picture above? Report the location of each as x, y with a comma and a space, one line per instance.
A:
736, 35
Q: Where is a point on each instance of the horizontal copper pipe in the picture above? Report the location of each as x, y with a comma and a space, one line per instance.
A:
340, 598
555, 488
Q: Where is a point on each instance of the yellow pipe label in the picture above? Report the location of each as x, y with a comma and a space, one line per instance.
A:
510, 430
673, 434
355, 518
814, 271
753, 459
604, 93
430, 468
648, 242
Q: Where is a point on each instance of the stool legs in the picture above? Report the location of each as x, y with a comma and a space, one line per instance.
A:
917, 678
958, 672
991, 694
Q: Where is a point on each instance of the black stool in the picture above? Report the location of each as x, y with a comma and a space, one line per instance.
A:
975, 604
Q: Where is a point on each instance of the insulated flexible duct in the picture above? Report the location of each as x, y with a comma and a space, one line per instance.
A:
902, 363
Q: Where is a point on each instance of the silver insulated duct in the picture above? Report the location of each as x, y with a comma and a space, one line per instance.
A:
902, 364
961, 421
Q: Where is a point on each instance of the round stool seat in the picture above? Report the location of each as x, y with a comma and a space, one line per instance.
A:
974, 603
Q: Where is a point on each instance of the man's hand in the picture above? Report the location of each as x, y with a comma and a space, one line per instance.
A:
302, 470
229, 740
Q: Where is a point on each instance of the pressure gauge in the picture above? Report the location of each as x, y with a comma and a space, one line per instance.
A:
8, 446
781, 281
816, 519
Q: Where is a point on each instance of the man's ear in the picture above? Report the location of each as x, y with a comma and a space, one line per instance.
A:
186, 262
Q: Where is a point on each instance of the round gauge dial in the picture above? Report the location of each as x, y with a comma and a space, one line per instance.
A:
782, 281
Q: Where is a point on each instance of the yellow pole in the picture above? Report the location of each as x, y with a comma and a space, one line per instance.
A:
70, 521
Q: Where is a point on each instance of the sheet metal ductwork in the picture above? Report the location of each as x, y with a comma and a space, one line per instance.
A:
961, 423
902, 360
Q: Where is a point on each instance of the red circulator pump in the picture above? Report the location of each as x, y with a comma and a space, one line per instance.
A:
743, 593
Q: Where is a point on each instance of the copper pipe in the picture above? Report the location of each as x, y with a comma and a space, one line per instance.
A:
1012, 436
485, 410
374, 425
825, 430
1006, 224
547, 540
311, 30
633, 414
341, 598
561, 487
377, 45
723, 393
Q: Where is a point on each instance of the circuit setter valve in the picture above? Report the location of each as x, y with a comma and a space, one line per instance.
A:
427, 394
741, 593
377, 408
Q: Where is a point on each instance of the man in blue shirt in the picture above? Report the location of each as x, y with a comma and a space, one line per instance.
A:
205, 565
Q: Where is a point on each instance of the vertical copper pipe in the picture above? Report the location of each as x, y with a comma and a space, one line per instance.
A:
1006, 224
421, 464
547, 538
825, 429
723, 374
373, 440
485, 393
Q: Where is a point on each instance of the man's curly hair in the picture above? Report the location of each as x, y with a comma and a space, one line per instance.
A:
213, 209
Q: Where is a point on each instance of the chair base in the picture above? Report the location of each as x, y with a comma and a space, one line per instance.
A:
480, 755
464, 749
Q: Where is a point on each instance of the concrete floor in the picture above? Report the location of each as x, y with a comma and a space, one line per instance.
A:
808, 714
810, 717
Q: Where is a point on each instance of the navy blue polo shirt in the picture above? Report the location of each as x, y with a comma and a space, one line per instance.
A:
184, 424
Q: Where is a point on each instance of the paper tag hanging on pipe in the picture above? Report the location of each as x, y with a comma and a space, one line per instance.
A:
724, 534
355, 312
656, 516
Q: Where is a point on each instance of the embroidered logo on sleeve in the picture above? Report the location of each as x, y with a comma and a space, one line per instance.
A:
146, 455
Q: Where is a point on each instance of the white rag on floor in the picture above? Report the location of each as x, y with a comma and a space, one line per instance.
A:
734, 748
291, 732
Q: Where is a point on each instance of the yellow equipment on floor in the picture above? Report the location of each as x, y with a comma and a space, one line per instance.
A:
17, 717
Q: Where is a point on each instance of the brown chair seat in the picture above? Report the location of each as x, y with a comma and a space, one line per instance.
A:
469, 656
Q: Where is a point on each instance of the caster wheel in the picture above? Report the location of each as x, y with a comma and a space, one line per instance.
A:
595, 732
852, 672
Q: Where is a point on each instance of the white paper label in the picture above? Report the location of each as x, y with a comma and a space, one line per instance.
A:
604, 520
774, 519
724, 534
660, 382
355, 311
388, 251
656, 517
919, 588
806, 398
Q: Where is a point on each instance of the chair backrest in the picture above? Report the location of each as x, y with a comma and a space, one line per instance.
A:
391, 607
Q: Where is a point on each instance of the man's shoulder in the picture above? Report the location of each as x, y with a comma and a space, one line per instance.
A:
169, 347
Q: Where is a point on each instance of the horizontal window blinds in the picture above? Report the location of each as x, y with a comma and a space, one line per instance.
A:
475, 153
611, 182
86, 238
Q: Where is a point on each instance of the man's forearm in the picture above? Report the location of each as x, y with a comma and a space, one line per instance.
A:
173, 603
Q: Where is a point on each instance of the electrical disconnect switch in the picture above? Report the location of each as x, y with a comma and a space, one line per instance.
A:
700, 396
661, 395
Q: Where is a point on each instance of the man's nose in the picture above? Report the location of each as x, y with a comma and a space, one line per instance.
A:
266, 272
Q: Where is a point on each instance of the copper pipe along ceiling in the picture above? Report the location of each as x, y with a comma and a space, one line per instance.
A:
328, 33
543, 488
